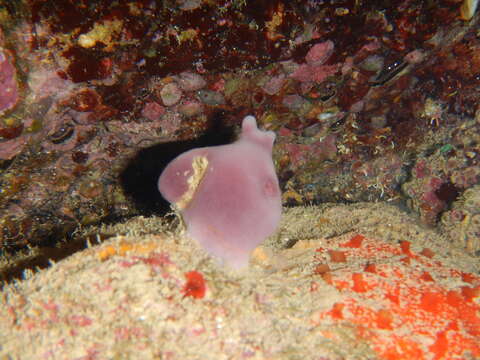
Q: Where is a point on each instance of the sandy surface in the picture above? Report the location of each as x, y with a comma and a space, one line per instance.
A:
363, 281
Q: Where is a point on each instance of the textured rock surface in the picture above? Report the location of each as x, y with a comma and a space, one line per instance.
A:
342, 282
392, 113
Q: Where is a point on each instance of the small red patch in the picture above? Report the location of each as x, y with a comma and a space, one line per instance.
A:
440, 347
384, 319
426, 276
336, 311
468, 278
371, 268
433, 302
428, 253
337, 256
355, 242
405, 246
195, 286
359, 285
470, 293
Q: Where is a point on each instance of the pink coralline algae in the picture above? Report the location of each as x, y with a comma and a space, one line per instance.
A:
317, 74
325, 149
8, 82
298, 153
11, 148
274, 85
314, 69
228, 195
293, 102
153, 111
319, 53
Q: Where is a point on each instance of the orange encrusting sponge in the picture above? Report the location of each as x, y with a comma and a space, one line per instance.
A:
412, 307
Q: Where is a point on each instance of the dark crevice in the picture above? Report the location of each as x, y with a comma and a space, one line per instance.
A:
139, 178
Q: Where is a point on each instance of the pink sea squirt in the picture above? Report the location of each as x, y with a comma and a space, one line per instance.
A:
228, 195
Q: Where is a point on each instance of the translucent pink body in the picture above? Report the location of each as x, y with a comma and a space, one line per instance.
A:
237, 203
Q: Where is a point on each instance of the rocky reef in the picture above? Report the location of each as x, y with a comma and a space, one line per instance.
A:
369, 101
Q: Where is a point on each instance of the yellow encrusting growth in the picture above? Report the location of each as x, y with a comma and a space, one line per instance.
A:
125, 247
101, 32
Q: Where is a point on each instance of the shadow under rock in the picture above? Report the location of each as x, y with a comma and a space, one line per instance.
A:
44, 257
139, 178
139, 181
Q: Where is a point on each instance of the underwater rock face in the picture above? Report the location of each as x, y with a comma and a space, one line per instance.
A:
228, 195
8, 82
355, 104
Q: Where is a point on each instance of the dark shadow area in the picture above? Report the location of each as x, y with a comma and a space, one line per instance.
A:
45, 256
139, 181
42, 257
139, 178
